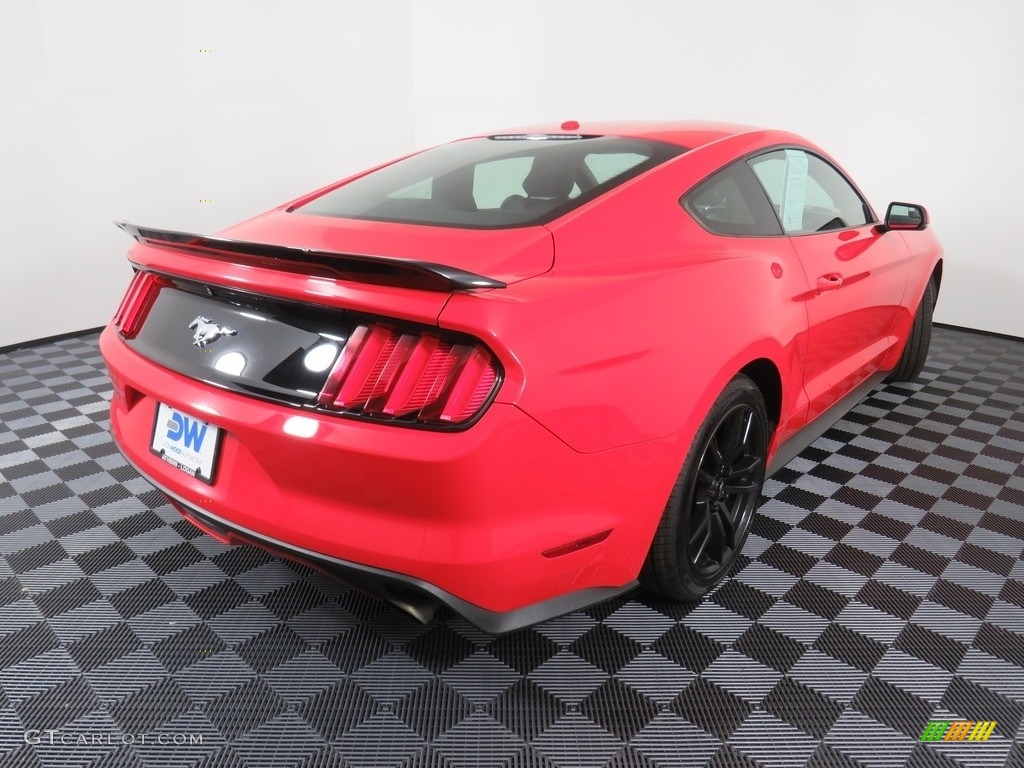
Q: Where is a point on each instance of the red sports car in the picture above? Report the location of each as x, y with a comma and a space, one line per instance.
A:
518, 373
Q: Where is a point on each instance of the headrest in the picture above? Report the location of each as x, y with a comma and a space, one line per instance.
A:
548, 177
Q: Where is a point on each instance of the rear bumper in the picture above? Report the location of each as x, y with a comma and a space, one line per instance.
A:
462, 518
416, 597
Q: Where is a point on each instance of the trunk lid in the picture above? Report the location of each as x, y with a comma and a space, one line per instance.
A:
273, 349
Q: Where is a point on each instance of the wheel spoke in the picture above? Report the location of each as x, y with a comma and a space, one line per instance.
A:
698, 553
698, 548
748, 422
728, 522
741, 486
742, 471
732, 436
705, 477
714, 452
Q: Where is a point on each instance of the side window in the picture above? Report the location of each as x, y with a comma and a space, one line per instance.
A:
496, 180
732, 203
808, 194
607, 165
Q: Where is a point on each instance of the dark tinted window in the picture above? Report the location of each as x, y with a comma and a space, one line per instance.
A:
732, 203
808, 194
494, 182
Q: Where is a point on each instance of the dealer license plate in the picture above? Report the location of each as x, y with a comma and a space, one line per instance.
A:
185, 442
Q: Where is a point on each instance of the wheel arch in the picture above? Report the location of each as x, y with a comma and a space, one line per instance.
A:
936, 277
766, 376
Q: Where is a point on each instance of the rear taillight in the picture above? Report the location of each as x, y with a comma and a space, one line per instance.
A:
136, 303
417, 377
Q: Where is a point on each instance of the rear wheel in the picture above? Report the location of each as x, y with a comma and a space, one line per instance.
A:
711, 507
916, 352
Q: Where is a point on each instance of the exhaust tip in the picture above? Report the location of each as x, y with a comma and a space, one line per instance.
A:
417, 604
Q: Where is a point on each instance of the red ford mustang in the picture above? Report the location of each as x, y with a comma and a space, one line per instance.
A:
518, 373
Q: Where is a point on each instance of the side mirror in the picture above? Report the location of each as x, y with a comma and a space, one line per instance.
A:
905, 216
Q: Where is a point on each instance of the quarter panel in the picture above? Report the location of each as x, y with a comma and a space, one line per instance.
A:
613, 361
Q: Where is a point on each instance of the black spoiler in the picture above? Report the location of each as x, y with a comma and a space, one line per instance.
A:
379, 270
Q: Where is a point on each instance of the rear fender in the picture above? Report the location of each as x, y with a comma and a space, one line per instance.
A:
612, 367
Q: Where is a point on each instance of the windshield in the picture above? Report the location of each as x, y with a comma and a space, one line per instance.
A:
494, 182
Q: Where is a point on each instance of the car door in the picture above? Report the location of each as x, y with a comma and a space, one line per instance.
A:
856, 274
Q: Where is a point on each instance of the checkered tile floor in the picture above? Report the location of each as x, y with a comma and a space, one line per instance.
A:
883, 587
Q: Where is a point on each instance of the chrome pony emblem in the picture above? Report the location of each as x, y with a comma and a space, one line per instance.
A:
207, 331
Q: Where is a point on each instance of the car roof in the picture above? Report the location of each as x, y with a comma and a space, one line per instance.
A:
686, 133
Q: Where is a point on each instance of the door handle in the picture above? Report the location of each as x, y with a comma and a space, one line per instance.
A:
829, 282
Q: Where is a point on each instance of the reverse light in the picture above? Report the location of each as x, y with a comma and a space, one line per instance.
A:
417, 377
137, 301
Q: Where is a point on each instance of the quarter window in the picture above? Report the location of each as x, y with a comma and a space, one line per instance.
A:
732, 203
808, 194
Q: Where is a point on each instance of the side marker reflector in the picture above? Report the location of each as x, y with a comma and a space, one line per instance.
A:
574, 546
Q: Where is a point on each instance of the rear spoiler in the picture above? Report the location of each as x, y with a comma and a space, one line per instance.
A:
380, 270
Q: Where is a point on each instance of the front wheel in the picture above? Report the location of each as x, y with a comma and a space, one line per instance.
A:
711, 507
915, 353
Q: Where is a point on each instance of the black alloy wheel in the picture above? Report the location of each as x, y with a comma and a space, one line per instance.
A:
712, 505
726, 491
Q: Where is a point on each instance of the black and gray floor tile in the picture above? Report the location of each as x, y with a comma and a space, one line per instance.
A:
882, 588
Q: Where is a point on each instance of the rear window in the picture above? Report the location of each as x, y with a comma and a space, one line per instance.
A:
494, 182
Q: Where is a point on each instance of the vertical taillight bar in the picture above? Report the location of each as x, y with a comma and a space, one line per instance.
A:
401, 400
138, 300
383, 371
341, 366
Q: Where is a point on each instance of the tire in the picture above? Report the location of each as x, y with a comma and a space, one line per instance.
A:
711, 507
915, 353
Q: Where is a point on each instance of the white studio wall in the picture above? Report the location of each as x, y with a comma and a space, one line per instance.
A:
920, 100
145, 111
113, 109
